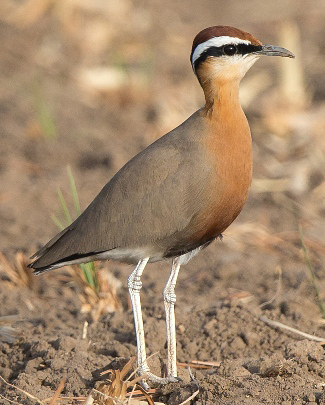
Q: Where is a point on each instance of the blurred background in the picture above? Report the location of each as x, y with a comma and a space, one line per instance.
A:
89, 84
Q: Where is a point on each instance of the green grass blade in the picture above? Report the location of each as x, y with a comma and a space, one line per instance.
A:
46, 121
44, 115
57, 222
74, 192
64, 207
90, 274
88, 269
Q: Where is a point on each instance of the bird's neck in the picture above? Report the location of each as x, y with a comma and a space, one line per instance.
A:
228, 149
221, 98
228, 136
224, 115
228, 129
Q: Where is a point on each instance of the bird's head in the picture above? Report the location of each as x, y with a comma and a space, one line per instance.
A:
226, 53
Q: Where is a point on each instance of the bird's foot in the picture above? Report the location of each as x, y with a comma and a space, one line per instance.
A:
152, 380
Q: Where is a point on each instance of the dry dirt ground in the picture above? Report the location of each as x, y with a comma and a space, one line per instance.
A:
54, 113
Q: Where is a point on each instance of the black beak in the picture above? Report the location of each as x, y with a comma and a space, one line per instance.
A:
271, 50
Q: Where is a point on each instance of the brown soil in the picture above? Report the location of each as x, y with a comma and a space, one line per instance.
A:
220, 293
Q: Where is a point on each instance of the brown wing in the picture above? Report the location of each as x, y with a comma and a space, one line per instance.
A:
149, 201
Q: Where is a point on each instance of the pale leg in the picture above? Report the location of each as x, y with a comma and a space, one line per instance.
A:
134, 285
169, 302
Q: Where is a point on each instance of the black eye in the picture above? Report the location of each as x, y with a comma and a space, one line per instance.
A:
230, 50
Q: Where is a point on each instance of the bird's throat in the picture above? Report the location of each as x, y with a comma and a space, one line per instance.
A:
229, 151
221, 97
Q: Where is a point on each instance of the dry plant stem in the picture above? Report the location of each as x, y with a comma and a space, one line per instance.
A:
85, 330
19, 273
292, 85
278, 289
83, 399
204, 363
131, 394
312, 273
190, 398
127, 368
192, 376
116, 400
280, 325
8, 269
199, 365
290, 204
24, 392
23, 271
58, 391
196, 392
136, 370
89, 400
195, 366
10, 401
146, 395
139, 391
116, 388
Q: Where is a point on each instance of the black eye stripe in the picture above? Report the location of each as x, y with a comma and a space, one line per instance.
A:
217, 51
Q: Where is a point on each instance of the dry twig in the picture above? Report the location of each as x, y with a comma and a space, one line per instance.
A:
9, 400
278, 289
58, 391
196, 392
21, 390
83, 399
190, 398
200, 365
276, 324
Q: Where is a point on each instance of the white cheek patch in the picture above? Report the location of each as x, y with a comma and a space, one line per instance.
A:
234, 67
216, 41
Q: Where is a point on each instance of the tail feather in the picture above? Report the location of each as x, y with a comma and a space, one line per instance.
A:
49, 244
53, 253
64, 249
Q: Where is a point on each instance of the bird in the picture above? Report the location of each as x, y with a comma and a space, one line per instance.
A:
177, 195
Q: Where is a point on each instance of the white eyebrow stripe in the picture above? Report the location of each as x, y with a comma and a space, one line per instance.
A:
216, 41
